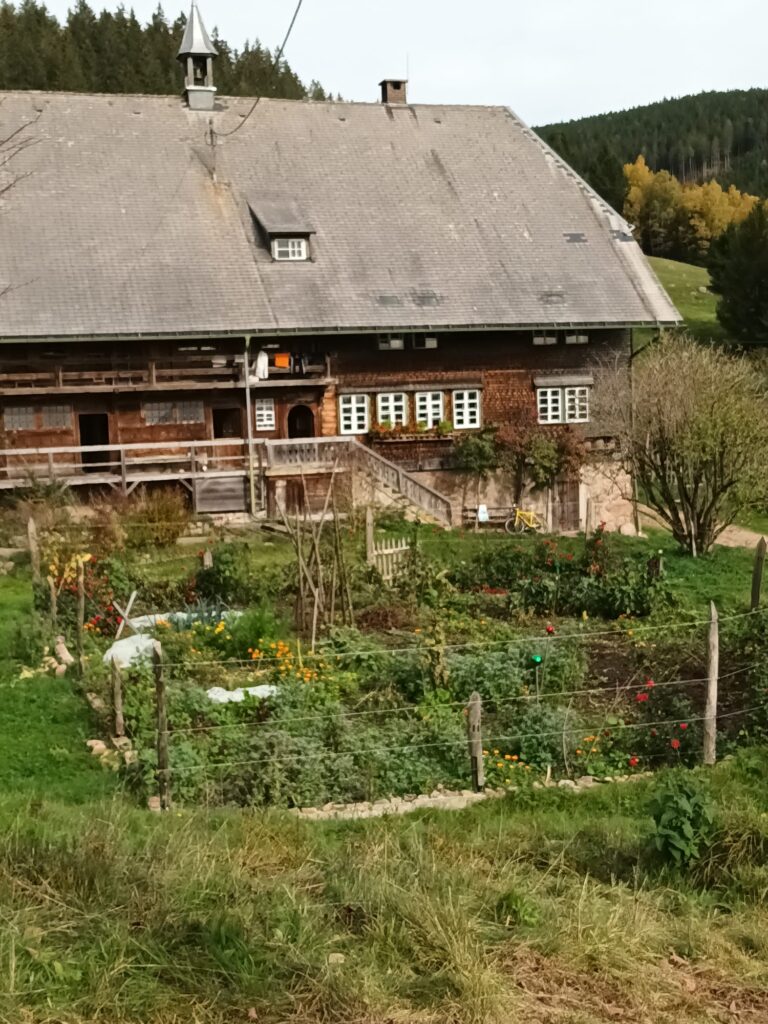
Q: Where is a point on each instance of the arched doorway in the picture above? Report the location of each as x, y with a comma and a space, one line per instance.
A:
301, 422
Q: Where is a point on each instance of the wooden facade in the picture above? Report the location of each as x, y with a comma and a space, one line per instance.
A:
121, 413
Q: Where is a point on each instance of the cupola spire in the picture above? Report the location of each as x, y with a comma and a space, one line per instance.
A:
196, 53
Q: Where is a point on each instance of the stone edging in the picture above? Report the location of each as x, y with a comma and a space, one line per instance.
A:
446, 799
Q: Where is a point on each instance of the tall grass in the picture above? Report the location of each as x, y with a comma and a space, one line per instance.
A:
546, 910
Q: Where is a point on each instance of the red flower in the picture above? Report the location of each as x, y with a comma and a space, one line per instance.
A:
641, 698
654, 733
675, 744
683, 726
634, 762
650, 684
550, 629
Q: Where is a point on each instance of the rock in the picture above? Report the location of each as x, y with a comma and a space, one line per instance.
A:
336, 958
566, 784
98, 747
410, 797
130, 757
537, 785
153, 804
608, 778
586, 781
627, 530
97, 704
703, 289
60, 671
121, 742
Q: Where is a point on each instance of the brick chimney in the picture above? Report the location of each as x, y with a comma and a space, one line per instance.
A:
393, 90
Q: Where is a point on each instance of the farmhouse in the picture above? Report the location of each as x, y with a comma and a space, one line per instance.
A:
241, 296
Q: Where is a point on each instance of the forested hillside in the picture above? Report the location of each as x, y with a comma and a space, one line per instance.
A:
114, 52
720, 135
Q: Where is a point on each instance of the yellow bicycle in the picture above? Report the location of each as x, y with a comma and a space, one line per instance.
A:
522, 520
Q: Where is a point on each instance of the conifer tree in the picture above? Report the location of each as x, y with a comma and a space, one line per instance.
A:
739, 269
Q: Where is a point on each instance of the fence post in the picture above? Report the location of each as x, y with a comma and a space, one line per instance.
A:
34, 549
474, 732
757, 573
117, 699
713, 666
80, 614
163, 771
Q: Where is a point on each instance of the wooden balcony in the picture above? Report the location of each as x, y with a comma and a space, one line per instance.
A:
115, 376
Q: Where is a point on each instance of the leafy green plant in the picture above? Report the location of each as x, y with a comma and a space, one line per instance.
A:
683, 813
154, 517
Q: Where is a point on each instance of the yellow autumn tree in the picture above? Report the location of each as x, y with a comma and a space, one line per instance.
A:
672, 219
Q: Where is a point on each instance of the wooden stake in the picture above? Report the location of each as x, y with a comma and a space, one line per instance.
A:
34, 549
474, 732
163, 768
117, 699
757, 573
370, 546
54, 603
713, 666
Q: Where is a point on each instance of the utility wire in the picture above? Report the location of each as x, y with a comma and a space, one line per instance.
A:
275, 70
446, 743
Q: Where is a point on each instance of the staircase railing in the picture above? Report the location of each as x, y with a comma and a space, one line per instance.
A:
325, 451
397, 479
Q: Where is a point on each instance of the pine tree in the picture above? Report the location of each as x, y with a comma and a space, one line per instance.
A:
739, 268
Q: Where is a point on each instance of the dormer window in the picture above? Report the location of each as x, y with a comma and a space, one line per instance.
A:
290, 249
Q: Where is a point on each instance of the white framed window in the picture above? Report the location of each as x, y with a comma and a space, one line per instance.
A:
19, 417
354, 414
577, 339
57, 415
392, 408
161, 413
563, 405
290, 249
264, 409
429, 407
545, 339
466, 409
577, 405
550, 404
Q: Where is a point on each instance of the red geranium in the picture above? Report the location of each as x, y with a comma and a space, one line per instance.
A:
550, 629
634, 762
675, 744
650, 684
641, 698
683, 726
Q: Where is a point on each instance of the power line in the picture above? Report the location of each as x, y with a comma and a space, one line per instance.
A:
275, 69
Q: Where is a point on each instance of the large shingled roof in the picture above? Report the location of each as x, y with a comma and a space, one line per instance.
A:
424, 217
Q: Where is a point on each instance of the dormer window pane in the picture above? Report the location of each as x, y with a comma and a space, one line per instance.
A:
290, 249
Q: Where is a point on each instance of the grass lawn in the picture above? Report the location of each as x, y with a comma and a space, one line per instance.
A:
43, 723
683, 283
547, 908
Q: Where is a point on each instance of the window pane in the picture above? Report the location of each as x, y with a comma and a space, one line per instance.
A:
392, 408
550, 405
289, 248
156, 413
353, 414
466, 409
577, 405
190, 412
429, 407
19, 417
57, 415
265, 413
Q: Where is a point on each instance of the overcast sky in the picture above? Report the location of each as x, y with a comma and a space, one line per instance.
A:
549, 60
